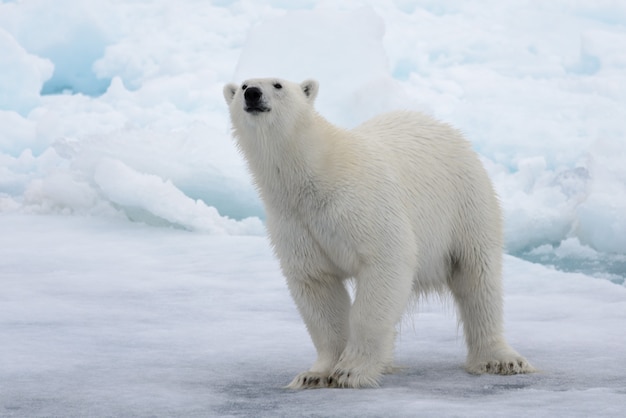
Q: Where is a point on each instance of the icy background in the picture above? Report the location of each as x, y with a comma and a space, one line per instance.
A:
112, 116
115, 107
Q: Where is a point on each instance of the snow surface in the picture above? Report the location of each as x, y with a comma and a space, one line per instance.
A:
109, 318
136, 280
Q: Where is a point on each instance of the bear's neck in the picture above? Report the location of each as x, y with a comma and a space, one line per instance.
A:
293, 165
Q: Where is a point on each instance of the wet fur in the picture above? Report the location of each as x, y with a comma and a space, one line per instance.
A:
401, 204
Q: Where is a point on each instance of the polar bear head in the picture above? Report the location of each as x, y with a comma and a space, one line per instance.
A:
269, 102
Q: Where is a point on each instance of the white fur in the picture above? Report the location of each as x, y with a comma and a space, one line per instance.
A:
401, 204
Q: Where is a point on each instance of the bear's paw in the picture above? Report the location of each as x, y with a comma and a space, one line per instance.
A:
501, 363
352, 378
310, 380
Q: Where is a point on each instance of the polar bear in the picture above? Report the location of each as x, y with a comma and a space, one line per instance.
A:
401, 205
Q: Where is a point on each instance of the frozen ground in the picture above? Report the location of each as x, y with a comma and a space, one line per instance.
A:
108, 318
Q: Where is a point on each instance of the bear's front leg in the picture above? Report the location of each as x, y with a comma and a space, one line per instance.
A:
324, 304
380, 300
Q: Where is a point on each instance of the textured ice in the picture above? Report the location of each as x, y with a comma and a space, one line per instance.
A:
538, 88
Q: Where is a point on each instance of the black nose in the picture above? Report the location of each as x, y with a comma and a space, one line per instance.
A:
252, 95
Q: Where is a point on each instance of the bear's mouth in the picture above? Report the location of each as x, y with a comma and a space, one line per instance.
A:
255, 109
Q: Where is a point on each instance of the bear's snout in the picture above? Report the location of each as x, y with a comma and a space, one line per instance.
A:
254, 100
252, 95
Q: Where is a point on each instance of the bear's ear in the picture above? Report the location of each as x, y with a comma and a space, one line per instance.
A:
310, 89
229, 92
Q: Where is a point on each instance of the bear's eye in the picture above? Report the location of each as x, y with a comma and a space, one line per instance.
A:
245, 86
278, 86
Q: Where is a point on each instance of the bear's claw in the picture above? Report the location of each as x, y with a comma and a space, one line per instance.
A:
501, 367
309, 380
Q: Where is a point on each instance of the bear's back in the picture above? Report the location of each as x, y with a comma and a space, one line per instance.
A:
422, 148
439, 173
404, 131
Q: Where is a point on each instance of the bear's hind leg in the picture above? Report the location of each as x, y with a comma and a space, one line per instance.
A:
324, 304
477, 289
